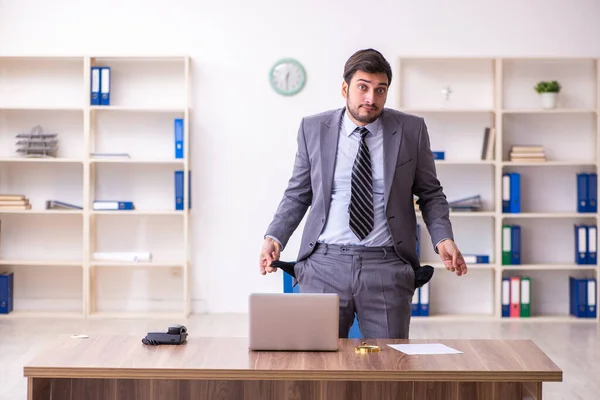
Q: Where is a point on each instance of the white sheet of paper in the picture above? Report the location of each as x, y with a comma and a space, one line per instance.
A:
425, 348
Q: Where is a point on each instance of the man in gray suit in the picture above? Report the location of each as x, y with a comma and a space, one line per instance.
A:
357, 168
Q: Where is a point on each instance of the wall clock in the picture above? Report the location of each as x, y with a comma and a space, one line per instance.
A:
287, 77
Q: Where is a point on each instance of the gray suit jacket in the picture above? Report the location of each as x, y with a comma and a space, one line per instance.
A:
409, 169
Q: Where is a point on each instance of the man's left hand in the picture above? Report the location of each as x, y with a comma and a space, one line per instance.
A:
452, 257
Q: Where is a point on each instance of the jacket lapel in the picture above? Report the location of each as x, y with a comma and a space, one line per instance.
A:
392, 137
330, 130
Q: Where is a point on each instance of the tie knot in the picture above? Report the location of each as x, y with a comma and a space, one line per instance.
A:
362, 131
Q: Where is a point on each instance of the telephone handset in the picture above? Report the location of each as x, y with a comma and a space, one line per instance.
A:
176, 334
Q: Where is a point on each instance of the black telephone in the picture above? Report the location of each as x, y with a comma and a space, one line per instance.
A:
176, 334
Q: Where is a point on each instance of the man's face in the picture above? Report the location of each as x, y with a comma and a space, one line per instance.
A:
365, 96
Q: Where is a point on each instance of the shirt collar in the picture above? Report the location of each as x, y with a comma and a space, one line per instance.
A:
350, 126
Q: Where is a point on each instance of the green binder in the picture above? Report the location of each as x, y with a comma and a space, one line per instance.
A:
506, 245
525, 296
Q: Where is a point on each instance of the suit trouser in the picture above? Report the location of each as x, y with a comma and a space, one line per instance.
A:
372, 282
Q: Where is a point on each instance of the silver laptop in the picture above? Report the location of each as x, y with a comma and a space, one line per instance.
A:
294, 321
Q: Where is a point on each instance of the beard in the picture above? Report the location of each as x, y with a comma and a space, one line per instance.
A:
367, 116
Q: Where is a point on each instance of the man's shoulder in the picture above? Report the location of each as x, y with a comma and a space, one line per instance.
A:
402, 116
323, 116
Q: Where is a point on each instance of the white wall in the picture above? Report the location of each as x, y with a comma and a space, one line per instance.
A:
243, 133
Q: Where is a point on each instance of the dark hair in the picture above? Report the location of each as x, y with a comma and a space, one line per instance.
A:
367, 60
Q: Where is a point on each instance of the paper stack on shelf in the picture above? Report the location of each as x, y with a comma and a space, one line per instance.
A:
471, 203
37, 143
527, 153
14, 202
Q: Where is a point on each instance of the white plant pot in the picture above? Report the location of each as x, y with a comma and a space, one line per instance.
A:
549, 99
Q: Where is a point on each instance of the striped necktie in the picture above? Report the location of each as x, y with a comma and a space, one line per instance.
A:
361, 199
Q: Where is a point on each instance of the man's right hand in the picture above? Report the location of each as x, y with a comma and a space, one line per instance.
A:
269, 252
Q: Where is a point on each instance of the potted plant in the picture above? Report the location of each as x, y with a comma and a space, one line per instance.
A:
548, 91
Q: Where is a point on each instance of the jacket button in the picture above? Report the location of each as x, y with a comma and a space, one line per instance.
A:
322, 219
311, 244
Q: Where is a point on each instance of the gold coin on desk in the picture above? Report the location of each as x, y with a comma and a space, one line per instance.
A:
367, 348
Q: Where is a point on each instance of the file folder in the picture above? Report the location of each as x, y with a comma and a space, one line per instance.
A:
178, 128
415, 305
6, 292
113, 205
592, 288
582, 192
516, 244
515, 192
592, 244
525, 297
505, 193
515, 297
95, 86
592, 192
105, 85
581, 244
505, 297
506, 245
424, 300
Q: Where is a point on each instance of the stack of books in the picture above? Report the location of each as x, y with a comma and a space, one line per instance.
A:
14, 202
471, 203
524, 153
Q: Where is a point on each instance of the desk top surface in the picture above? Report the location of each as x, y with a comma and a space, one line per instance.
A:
124, 356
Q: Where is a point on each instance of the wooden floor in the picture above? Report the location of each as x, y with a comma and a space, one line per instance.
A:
574, 347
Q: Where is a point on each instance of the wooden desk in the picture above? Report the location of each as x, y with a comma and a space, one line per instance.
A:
121, 367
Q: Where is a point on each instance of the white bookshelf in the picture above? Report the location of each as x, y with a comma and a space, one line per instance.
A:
498, 92
50, 251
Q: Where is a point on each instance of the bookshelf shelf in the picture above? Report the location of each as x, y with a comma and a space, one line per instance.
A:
50, 250
459, 98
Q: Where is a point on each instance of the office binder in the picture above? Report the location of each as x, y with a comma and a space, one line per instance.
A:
505, 193
516, 244
476, 258
439, 155
505, 297
415, 309
113, 205
578, 297
583, 180
105, 85
178, 129
424, 300
525, 297
6, 292
581, 242
179, 190
592, 244
515, 297
515, 192
592, 288
95, 86
506, 245
592, 192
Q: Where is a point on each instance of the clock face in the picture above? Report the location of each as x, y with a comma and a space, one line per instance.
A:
287, 77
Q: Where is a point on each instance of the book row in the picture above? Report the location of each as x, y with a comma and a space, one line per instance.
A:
587, 192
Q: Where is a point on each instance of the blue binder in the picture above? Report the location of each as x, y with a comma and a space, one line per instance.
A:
178, 190
6, 292
95, 86
105, 85
515, 192
592, 192
578, 297
583, 180
516, 244
178, 128
505, 297
581, 244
